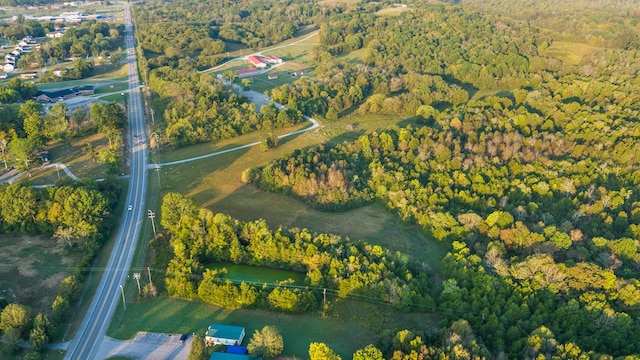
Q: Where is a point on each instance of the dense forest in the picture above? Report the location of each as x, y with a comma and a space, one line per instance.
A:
532, 186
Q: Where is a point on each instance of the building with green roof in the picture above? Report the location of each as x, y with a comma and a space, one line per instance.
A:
224, 334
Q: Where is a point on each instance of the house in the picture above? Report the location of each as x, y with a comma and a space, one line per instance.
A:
55, 34
245, 72
224, 334
29, 75
297, 73
272, 76
57, 95
58, 72
227, 356
255, 61
3, 75
272, 60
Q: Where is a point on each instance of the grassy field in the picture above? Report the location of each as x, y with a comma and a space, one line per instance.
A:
80, 164
262, 83
393, 10
31, 269
118, 86
215, 183
348, 327
569, 52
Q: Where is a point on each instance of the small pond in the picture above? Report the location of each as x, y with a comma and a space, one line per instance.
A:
258, 274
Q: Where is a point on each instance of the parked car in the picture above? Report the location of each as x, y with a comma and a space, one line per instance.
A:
183, 338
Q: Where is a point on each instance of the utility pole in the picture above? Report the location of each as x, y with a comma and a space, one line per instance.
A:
157, 166
124, 302
152, 216
137, 277
149, 271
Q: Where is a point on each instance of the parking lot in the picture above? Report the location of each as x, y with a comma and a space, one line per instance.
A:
147, 346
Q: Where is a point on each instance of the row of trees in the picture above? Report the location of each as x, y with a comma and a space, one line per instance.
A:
347, 269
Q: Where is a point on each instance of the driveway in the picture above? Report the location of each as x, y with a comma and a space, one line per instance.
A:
146, 346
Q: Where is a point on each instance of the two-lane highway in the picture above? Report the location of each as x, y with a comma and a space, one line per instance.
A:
94, 326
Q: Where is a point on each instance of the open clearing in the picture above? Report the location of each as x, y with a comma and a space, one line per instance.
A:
349, 326
569, 52
393, 10
76, 159
31, 269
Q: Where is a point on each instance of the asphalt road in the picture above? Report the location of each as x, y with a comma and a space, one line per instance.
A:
96, 321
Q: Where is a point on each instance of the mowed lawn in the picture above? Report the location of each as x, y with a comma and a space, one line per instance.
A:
347, 327
31, 269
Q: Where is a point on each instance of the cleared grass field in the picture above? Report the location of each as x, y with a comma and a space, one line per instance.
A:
215, 183
392, 10
569, 52
348, 327
31, 269
80, 163
262, 83
118, 86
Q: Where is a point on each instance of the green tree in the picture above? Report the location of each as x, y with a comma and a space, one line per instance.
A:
197, 349
320, 351
24, 151
266, 343
15, 316
370, 352
230, 76
246, 83
56, 124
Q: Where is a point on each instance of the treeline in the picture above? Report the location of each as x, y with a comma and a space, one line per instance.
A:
77, 215
347, 269
607, 23
90, 38
410, 60
538, 183
79, 218
25, 129
178, 38
199, 31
